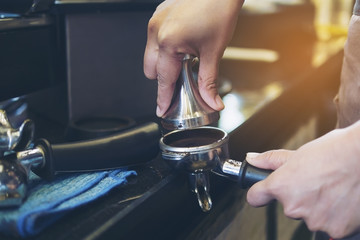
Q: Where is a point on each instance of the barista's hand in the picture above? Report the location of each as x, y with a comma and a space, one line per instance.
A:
319, 182
201, 28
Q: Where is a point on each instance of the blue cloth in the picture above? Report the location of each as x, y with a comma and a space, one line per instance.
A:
49, 201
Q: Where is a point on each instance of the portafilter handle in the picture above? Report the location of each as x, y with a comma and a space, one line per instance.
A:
243, 173
131, 147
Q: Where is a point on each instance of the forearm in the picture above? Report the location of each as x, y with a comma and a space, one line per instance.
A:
353, 137
348, 100
357, 8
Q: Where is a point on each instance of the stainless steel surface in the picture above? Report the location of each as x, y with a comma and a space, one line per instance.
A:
17, 22
231, 168
16, 111
31, 158
11, 138
14, 172
188, 109
181, 150
200, 185
13, 181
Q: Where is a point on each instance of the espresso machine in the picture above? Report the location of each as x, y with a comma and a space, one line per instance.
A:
79, 63
72, 89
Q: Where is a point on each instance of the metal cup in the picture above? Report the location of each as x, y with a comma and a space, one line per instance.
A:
196, 151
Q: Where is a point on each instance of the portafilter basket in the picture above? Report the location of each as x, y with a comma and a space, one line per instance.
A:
201, 150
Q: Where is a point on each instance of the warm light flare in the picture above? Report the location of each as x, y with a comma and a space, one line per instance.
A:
250, 54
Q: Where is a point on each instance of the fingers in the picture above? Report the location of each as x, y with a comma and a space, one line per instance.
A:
150, 60
265, 191
151, 50
270, 159
161, 61
259, 194
207, 76
165, 66
168, 69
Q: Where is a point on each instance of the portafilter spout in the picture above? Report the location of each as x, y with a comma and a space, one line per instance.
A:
188, 109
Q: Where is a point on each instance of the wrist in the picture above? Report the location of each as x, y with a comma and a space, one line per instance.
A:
356, 10
352, 135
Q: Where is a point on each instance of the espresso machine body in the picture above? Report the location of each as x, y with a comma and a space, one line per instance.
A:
76, 60
104, 46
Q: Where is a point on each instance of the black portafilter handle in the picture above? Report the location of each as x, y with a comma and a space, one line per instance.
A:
128, 148
249, 174
243, 173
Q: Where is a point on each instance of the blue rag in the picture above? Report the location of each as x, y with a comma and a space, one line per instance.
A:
48, 201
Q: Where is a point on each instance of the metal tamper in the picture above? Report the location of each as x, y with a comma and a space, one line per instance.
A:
188, 109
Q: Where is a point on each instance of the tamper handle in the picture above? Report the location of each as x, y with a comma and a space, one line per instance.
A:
249, 174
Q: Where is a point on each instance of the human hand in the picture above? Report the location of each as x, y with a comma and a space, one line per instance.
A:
319, 182
200, 28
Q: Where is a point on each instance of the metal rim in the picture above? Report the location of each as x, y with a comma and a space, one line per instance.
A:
220, 140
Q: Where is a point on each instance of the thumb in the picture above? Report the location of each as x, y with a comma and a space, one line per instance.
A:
270, 159
259, 194
208, 71
262, 192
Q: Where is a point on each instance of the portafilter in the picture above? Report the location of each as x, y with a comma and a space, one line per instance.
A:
198, 149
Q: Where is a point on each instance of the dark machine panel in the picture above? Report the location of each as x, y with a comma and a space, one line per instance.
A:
27, 60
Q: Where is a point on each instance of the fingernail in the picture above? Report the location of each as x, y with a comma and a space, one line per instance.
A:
158, 111
219, 102
251, 155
